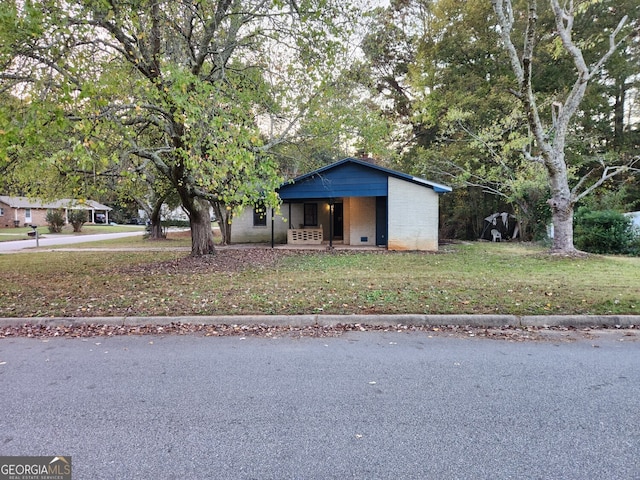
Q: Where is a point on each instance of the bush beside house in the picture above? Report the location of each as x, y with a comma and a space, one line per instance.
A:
55, 220
77, 218
605, 231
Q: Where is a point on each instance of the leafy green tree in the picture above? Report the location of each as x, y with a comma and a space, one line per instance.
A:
342, 121
551, 136
445, 79
55, 219
184, 85
437, 69
77, 218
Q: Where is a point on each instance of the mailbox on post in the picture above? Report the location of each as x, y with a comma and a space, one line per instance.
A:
34, 233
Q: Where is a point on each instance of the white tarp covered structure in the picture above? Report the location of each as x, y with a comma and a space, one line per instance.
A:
500, 226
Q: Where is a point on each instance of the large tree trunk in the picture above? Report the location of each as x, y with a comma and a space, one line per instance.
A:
155, 228
561, 202
223, 217
155, 219
563, 231
562, 216
200, 222
154, 214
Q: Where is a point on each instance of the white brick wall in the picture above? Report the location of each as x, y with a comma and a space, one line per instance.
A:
413, 216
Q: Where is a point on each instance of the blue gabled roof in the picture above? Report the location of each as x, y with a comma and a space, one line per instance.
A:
348, 178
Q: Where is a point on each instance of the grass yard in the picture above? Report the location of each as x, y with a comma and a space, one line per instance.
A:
11, 234
20, 233
479, 278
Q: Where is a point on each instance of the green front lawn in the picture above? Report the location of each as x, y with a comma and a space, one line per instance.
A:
478, 278
11, 234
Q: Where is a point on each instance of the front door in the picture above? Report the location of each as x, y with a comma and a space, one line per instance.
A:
338, 221
381, 221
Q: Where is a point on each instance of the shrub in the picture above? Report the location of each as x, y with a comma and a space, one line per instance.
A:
634, 245
77, 218
55, 219
603, 231
175, 223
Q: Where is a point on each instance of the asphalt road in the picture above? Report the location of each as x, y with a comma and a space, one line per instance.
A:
52, 240
369, 405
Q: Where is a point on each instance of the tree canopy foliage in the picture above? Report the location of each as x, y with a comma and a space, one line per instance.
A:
186, 87
442, 72
214, 102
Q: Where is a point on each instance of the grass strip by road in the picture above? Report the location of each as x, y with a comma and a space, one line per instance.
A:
21, 233
478, 278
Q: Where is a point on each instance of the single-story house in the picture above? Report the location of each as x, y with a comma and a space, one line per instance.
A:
350, 202
23, 211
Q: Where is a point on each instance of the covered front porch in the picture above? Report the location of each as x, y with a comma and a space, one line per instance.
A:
349, 221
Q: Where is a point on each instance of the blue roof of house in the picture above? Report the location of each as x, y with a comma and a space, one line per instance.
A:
348, 178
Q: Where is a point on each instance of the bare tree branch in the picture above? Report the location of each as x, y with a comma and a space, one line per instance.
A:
608, 172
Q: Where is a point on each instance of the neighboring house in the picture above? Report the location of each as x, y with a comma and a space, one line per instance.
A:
351, 202
22, 211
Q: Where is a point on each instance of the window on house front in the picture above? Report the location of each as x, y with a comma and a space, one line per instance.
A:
310, 214
259, 216
27, 214
1, 212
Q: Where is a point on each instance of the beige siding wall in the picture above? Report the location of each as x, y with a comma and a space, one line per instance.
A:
412, 220
413, 216
360, 221
243, 230
323, 218
346, 221
297, 214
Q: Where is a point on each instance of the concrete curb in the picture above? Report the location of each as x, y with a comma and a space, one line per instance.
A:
583, 321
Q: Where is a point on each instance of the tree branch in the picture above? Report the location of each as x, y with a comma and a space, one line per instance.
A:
608, 173
564, 23
504, 12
